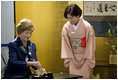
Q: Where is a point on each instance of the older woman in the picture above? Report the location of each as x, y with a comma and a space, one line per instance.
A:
22, 52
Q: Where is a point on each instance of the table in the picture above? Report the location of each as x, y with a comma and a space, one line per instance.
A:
106, 71
60, 76
65, 76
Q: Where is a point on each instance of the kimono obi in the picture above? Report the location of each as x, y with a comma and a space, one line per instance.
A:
78, 44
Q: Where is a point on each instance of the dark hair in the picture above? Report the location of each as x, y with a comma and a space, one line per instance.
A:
73, 10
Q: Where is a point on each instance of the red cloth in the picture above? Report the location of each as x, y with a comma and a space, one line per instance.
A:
83, 42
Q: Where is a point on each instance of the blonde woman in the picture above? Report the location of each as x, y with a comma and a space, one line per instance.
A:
22, 53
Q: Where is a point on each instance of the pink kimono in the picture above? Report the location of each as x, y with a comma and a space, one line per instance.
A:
80, 59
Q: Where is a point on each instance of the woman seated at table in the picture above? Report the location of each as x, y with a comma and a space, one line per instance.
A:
22, 53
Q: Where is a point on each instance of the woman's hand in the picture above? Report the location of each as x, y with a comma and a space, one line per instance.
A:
34, 63
45, 72
78, 64
38, 64
66, 62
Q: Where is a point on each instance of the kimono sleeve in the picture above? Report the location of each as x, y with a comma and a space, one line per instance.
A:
66, 50
90, 47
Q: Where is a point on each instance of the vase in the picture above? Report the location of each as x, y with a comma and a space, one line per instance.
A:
113, 59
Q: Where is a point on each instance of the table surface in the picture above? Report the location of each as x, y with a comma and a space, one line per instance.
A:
65, 76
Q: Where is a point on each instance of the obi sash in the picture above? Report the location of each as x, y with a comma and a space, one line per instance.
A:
77, 43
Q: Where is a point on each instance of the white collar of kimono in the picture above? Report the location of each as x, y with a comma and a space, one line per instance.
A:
75, 27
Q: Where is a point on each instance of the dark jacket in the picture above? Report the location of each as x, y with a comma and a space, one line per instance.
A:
17, 64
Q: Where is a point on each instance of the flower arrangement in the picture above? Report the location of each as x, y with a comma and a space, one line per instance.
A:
112, 40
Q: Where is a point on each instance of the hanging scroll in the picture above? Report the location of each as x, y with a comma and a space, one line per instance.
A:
100, 8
